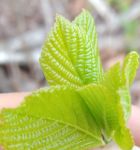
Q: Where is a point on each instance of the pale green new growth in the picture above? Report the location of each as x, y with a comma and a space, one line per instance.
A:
129, 68
70, 54
46, 121
84, 107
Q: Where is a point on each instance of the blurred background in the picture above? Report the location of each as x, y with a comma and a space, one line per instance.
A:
24, 24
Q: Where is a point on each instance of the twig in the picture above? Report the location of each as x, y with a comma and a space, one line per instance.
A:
48, 13
132, 14
106, 13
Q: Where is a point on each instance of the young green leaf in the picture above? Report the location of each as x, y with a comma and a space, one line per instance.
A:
130, 67
112, 78
114, 81
125, 98
87, 108
124, 138
86, 22
50, 119
107, 112
102, 105
123, 135
54, 60
70, 56
119, 80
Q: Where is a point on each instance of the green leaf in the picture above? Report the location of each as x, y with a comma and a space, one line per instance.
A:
55, 62
103, 107
108, 114
56, 118
123, 135
119, 79
130, 67
112, 78
86, 22
69, 56
114, 81
125, 98
87, 108
124, 138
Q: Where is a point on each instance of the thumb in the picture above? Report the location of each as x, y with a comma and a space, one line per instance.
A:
134, 124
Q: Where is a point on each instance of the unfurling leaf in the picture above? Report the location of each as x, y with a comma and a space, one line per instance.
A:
84, 107
130, 66
118, 79
70, 55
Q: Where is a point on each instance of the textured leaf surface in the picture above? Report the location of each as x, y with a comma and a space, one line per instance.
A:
112, 78
123, 135
118, 79
114, 81
130, 67
86, 22
96, 97
124, 138
125, 98
103, 106
70, 55
107, 111
54, 59
86, 109
50, 119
